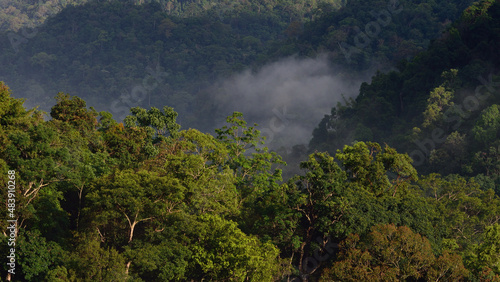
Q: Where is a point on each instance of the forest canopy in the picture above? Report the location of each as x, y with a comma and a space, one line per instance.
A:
146, 200
401, 182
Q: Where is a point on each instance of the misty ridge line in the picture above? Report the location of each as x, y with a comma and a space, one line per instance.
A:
286, 98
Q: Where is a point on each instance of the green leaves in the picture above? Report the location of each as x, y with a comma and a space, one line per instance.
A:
13, 115
147, 202
320, 194
162, 123
72, 110
37, 255
489, 250
375, 170
223, 252
391, 253
465, 209
91, 262
486, 255
440, 98
487, 128
257, 171
129, 197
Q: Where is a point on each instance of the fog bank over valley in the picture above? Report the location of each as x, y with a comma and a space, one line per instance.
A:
287, 98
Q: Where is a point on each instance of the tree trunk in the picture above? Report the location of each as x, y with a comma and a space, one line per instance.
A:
132, 226
127, 267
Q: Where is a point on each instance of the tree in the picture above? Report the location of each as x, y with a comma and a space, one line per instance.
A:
167, 25
37, 256
130, 197
90, 261
375, 170
440, 98
161, 123
256, 170
318, 197
486, 256
452, 156
447, 267
12, 112
122, 201
165, 257
466, 210
332, 199
391, 253
40, 161
73, 110
224, 252
43, 59
488, 162
487, 128
198, 162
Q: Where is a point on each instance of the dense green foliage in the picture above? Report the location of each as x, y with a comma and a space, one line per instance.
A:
378, 34
441, 107
15, 15
98, 200
117, 55
142, 198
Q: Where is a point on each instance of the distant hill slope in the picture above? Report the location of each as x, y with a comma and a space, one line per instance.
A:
143, 55
14, 15
378, 34
100, 51
441, 107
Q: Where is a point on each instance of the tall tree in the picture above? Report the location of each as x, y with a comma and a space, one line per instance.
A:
391, 253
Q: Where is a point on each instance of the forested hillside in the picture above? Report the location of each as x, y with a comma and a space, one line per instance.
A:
20, 14
440, 107
118, 55
400, 183
143, 200
377, 34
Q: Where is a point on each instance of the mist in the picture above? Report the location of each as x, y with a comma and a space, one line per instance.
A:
287, 98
